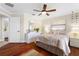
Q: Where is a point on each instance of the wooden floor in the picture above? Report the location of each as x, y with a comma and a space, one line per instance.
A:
16, 49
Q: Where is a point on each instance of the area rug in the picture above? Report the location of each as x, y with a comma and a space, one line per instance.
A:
32, 52
2, 43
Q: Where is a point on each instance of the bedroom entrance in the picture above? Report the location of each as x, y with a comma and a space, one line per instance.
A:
4, 28
10, 29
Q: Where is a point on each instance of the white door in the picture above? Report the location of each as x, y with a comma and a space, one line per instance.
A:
14, 29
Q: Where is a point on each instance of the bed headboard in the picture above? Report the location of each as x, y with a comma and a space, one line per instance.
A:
58, 28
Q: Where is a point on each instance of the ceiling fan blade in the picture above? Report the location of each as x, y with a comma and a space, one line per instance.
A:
36, 10
44, 7
33, 14
51, 10
39, 14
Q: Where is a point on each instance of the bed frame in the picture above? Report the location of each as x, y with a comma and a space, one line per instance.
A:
50, 48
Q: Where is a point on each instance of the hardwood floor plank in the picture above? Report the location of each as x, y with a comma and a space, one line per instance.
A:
16, 49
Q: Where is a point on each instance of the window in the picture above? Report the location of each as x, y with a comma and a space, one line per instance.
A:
58, 27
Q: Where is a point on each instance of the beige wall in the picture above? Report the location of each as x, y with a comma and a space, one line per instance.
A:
59, 20
41, 22
35, 19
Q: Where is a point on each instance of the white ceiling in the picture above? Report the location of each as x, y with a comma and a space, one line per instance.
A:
61, 8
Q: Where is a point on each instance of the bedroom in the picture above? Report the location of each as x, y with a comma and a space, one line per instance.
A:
28, 28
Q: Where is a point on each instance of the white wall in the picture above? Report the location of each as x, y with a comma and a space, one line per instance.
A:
26, 20
0, 28
22, 35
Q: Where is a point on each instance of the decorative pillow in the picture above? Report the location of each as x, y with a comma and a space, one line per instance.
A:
62, 32
55, 32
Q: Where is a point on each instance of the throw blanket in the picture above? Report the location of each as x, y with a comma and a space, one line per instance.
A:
60, 41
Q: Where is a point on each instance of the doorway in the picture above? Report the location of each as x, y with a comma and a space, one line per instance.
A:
5, 28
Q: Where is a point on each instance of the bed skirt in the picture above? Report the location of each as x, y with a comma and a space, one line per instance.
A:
50, 48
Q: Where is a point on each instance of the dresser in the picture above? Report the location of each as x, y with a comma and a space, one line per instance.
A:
74, 42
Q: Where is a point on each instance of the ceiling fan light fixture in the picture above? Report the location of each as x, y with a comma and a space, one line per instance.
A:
44, 10
43, 13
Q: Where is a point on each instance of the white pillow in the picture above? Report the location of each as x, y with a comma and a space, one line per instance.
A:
59, 32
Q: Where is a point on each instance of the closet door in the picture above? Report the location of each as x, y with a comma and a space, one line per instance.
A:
15, 29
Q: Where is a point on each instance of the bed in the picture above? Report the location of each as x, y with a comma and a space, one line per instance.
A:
31, 36
57, 44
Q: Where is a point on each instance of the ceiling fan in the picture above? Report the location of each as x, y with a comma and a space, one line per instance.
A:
44, 10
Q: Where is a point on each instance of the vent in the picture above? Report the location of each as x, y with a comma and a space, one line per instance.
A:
9, 4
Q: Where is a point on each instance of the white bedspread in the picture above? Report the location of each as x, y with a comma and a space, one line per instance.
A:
60, 41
